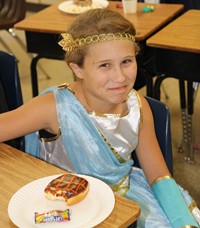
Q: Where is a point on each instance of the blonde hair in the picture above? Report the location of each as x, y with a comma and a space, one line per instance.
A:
96, 22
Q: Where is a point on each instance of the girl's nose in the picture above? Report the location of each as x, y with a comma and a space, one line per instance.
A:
118, 75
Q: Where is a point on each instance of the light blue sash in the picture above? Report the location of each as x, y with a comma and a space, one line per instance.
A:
87, 150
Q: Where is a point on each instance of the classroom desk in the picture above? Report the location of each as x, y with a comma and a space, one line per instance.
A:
177, 54
18, 169
44, 28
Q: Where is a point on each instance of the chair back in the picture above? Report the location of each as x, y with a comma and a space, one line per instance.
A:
161, 117
11, 12
10, 86
9, 77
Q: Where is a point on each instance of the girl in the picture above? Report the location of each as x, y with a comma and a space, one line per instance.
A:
93, 125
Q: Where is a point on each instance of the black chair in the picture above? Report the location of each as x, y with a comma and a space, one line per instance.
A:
10, 88
161, 116
11, 12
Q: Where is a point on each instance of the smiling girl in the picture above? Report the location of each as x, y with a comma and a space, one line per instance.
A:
93, 125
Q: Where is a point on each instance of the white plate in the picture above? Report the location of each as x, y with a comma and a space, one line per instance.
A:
70, 7
89, 212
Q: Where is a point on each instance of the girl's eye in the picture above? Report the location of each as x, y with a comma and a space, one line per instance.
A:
126, 61
104, 65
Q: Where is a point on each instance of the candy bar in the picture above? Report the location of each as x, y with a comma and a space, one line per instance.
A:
52, 216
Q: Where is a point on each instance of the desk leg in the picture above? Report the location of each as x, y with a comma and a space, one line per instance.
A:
183, 115
187, 115
187, 137
190, 155
34, 77
195, 89
149, 82
157, 85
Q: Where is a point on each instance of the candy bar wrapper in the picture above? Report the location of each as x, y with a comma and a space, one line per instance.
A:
53, 216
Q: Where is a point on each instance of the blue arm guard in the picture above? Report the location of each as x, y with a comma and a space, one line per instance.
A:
172, 202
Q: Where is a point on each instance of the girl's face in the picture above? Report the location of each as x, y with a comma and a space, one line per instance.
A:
108, 73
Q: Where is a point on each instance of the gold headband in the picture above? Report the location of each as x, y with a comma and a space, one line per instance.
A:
68, 43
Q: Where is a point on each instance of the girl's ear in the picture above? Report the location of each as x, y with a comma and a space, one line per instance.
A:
76, 69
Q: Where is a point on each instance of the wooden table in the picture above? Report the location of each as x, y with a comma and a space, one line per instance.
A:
177, 55
18, 168
43, 29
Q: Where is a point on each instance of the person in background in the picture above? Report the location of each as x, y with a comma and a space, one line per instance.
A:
92, 126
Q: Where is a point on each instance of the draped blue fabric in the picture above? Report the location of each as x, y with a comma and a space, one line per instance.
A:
86, 148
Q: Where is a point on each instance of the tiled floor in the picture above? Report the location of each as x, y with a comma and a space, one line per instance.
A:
186, 174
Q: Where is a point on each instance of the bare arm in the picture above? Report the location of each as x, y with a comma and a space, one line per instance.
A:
148, 150
38, 113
